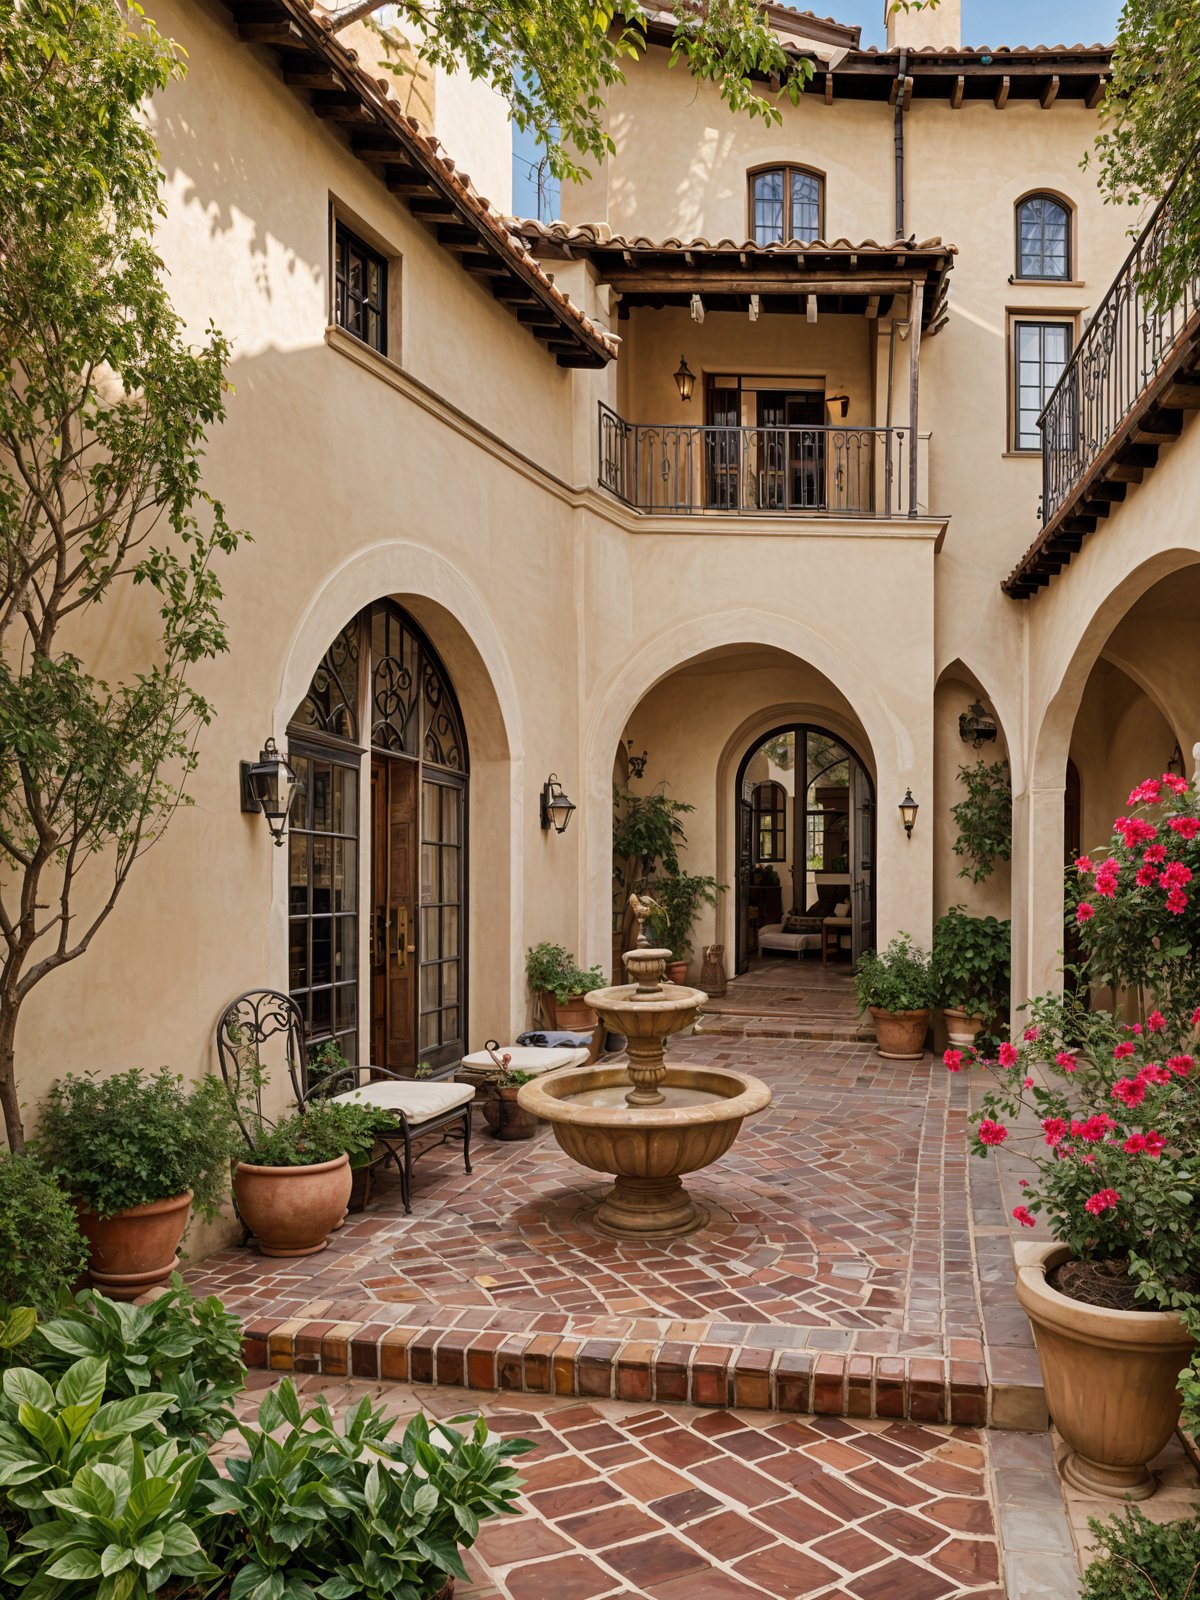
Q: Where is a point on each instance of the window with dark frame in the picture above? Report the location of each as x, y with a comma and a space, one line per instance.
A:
360, 280
1040, 352
769, 807
786, 203
1043, 238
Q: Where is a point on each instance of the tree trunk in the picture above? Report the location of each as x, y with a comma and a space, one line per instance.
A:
14, 1128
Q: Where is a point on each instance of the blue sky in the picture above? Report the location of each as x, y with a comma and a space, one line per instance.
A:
991, 22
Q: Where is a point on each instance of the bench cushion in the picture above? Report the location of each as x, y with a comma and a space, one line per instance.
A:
531, 1058
420, 1102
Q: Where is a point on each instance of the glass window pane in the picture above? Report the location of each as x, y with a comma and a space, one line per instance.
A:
322, 949
429, 854
298, 955
451, 815
429, 810
449, 932
450, 983
345, 875
321, 816
768, 207
806, 206
320, 1011
429, 1031
450, 874
297, 873
450, 1024
346, 951
322, 874
429, 933
429, 988
347, 1011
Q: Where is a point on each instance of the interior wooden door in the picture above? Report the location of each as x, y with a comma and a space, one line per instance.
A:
745, 861
394, 854
862, 862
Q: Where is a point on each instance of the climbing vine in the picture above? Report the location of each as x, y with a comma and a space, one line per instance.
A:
984, 819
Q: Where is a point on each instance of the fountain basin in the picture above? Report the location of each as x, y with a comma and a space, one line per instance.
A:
646, 1147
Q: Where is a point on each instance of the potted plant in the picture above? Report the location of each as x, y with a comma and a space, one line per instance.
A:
897, 988
294, 1187
559, 985
42, 1251
503, 1115
971, 958
1114, 1173
138, 1153
680, 896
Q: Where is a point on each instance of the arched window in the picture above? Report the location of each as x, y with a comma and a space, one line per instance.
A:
769, 806
1043, 237
786, 203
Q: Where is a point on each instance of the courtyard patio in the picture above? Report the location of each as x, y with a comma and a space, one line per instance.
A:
855, 1263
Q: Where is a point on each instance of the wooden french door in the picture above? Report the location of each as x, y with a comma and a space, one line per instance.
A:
394, 845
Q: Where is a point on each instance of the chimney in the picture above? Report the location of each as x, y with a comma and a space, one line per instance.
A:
938, 27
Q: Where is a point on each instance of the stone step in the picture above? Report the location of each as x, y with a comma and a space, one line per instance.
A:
785, 1026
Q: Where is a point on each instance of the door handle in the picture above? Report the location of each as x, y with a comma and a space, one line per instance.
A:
400, 935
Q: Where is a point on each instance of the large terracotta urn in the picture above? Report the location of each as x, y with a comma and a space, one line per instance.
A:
962, 1027
1110, 1378
135, 1249
291, 1211
900, 1035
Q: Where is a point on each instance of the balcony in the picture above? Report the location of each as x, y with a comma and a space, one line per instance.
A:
685, 469
1121, 396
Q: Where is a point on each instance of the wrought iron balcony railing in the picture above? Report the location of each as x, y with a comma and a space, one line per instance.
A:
1124, 347
797, 471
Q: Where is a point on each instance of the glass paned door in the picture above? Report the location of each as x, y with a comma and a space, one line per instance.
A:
862, 861
442, 925
323, 897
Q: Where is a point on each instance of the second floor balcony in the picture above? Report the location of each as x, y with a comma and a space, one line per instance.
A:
784, 469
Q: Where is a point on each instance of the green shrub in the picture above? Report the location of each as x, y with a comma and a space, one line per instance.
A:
971, 962
1143, 1560
42, 1251
553, 967
136, 1137
901, 979
324, 1130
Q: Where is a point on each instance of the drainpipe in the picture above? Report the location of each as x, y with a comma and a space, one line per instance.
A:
899, 138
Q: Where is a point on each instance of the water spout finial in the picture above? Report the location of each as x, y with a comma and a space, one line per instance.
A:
643, 909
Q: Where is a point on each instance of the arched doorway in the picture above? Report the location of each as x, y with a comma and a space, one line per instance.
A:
805, 809
382, 877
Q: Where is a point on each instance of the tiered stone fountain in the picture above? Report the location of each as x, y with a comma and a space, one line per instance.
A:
647, 1123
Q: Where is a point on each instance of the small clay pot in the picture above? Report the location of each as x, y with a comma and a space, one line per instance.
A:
507, 1119
900, 1034
677, 972
135, 1249
292, 1210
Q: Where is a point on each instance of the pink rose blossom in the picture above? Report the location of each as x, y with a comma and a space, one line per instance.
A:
1176, 875
1146, 877
1066, 1061
1196, 1018
1027, 1083
1186, 827
1022, 1215
1180, 1065
1155, 856
992, 1132
1102, 1200
1147, 1144
1008, 1055
1088, 1160
1173, 781
1155, 1022
1153, 1073
1177, 902
1084, 912
1055, 1130
1125, 1048
1129, 1091
953, 1060
1084, 864
1147, 793
1032, 1035
1094, 1129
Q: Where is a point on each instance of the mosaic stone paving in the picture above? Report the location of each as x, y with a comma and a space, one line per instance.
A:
850, 1268
628, 1500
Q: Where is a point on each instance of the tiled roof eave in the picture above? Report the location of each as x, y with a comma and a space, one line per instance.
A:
314, 62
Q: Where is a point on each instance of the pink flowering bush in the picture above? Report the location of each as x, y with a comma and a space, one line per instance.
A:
1137, 902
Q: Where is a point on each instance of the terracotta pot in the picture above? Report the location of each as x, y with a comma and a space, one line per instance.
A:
135, 1249
446, 1592
900, 1034
573, 1015
360, 1189
292, 1210
1110, 1378
677, 972
507, 1119
962, 1027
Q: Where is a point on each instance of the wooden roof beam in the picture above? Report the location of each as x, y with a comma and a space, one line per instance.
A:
312, 75
829, 88
1050, 93
871, 309
1002, 89
956, 94
1095, 94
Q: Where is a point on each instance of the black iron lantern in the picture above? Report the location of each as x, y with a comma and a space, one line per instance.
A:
557, 807
685, 380
908, 812
637, 764
1175, 764
270, 785
976, 725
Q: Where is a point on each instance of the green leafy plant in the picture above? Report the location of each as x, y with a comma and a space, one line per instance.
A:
42, 1251
680, 897
647, 835
324, 1130
1143, 1560
552, 967
136, 1137
901, 979
326, 1061
188, 1349
983, 819
971, 962
105, 402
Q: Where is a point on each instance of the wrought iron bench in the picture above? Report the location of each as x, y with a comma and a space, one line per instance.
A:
265, 1023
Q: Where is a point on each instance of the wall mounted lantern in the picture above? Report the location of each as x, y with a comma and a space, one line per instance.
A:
637, 764
269, 785
1175, 764
908, 812
685, 380
976, 726
557, 807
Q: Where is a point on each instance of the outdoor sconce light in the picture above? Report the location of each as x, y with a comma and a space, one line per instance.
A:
976, 726
1175, 764
842, 400
269, 785
908, 812
685, 380
637, 764
556, 806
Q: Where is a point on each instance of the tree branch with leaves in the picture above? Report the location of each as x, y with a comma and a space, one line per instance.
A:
104, 408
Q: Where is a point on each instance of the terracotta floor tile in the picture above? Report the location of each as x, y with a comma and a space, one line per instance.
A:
654, 1561
610, 1525
728, 1535
563, 1578
786, 1572
900, 1580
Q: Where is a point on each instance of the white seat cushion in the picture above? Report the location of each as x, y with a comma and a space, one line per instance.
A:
530, 1058
419, 1102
